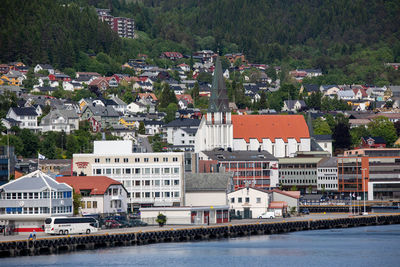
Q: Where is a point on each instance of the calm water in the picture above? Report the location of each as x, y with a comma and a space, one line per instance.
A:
364, 246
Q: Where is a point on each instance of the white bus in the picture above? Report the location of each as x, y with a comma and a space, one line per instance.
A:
70, 225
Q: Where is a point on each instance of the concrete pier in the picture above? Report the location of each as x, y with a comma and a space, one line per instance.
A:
60, 244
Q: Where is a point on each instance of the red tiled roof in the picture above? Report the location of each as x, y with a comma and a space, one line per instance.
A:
269, 127
187, 97
97, 184
146, 95
173, 54
98, 80
277, 205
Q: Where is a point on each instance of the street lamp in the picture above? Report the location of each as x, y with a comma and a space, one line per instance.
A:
363, 179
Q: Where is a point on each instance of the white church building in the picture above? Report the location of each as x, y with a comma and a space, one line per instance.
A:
280, 135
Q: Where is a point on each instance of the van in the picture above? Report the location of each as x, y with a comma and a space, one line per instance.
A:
267, 215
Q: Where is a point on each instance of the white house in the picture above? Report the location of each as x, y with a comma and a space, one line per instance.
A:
327, 175
249, 202
136, 107
207, 189
100, 194
60, 120
47, 67
27, 117
184, 136
176, 125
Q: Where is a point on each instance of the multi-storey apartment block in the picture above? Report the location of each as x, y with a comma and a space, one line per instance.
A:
151, 179
125, 27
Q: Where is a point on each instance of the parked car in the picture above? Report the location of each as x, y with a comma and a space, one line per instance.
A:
305, 211
267, 215
112, 224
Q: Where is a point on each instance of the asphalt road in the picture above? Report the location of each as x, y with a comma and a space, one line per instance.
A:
24, 236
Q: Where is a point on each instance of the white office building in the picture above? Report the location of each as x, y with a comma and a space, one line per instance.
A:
151, 179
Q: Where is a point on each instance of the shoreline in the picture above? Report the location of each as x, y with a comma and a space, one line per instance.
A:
60, 244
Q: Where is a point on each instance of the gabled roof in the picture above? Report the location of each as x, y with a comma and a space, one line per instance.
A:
96, 184
183, 122
207, 182
35, 181
293, 194
377, 139
29, 111
269, 127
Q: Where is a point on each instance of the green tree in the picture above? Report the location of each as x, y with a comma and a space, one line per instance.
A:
263, 100
321, 127
77, 202
31, 143
341, 136
165, 96
171, 111
128, 97
356, 134
72, 146
142, 129
195, 93
383, 127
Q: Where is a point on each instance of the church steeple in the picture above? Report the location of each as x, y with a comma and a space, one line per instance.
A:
219, 99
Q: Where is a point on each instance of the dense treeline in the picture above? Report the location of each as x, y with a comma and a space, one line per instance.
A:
48, 31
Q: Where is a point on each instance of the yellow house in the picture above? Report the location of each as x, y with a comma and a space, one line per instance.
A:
4, 80
128, 123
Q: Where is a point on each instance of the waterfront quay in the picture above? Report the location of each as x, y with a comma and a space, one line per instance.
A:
45, 245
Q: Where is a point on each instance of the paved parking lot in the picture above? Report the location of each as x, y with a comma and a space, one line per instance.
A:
24, 236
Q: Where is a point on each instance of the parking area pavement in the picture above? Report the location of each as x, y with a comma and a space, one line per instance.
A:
313, 216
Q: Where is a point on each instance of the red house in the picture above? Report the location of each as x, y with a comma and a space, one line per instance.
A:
372, 142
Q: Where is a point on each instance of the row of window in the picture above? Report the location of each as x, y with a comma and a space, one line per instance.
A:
327, 186
113, 192
190, 142
115, 204
252, 173
128, 183
126, 160
299, 181
36, 210
36, 195
246, 200
297, 173
89, 204
135, 171
252, 181
242, 165
154, 194
327, 178
328, 170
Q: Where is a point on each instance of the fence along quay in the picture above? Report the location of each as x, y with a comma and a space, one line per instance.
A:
54, 245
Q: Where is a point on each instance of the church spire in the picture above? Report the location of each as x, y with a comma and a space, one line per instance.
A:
219, 99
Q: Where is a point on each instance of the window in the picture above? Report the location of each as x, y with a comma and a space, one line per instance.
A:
156, 170
97, 160
89, 204
126, 160
83, 204
108, 160
116, 160
146, 159
147, 194
165, 159
174, 159
155, 159
176, 170
128, 171
176, 194
137, 171
166, 170
157, 182
137, 195
147, 171
176, 182
258, 200
117, 171
247, 199
232, 200
157, 194
166, 182
167, 194
147, 182
115, 191
137, 183
239, 200
137, 159
98, 171
108, 171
